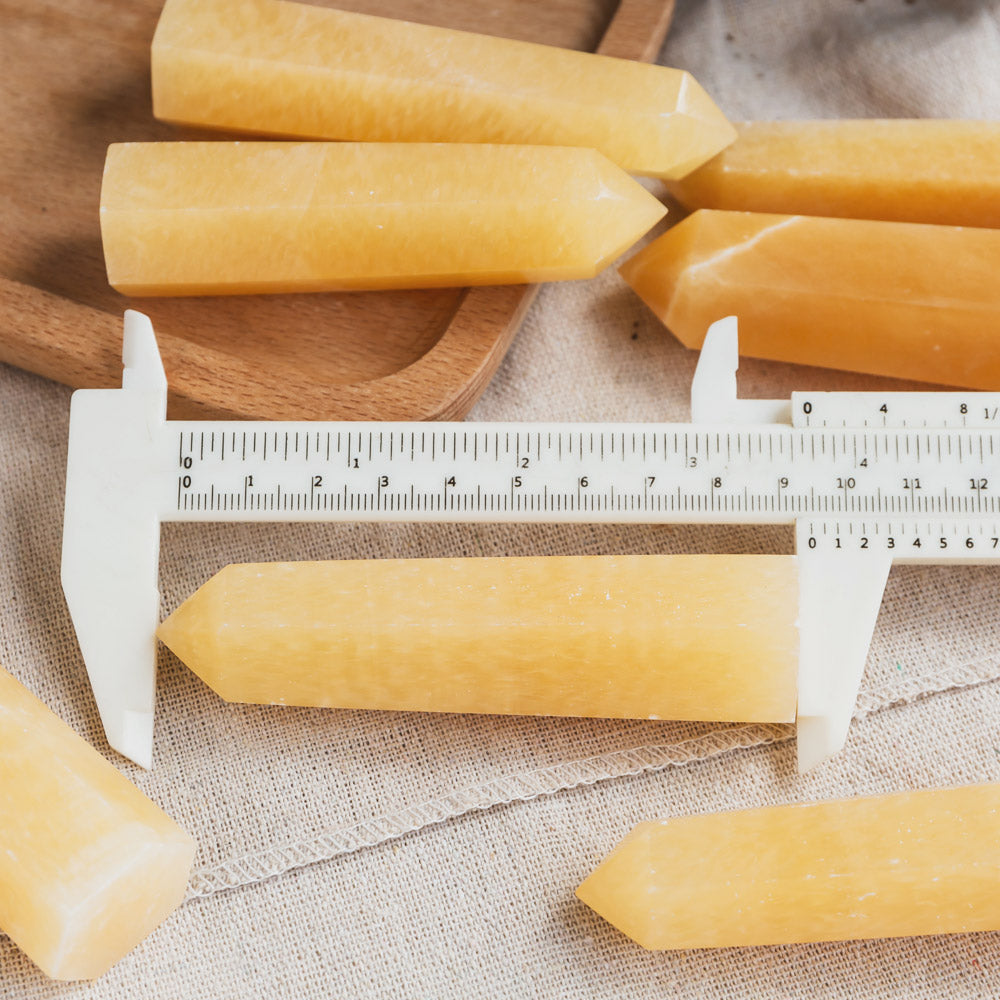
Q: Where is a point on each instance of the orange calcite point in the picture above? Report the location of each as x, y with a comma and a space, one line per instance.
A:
212, 218
672, 637
922, 170
888, 298
291, 69
88, 865
923, 862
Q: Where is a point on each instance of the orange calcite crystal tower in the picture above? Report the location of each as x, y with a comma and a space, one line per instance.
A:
889, 298
923, 862
88, 865
270, 67
672, 637
212, 218
921, 170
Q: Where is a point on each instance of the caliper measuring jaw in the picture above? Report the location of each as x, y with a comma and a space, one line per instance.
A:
839, 592
111, 539
122, 480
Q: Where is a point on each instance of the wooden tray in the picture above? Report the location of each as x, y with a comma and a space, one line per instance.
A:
76, 78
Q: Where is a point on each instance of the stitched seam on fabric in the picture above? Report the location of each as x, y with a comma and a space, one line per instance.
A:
904, 690
278, 860
274, 861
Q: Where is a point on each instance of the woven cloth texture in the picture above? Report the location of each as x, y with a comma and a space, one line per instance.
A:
362, 854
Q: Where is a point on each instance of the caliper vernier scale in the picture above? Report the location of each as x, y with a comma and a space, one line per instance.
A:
867, 479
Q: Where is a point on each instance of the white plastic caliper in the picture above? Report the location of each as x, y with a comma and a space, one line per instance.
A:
866, 478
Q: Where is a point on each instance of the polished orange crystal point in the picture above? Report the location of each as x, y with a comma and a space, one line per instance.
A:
270, 67
88, 865
888, 298
671, 637
221, 218
918, 170
924, 862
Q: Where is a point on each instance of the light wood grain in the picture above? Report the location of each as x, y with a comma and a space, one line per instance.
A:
77, 78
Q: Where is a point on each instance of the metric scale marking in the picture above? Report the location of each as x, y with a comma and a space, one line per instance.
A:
867, 479
638, 473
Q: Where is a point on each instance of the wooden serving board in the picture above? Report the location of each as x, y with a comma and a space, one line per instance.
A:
76, 78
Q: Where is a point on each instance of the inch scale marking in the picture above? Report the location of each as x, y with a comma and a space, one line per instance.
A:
867, 480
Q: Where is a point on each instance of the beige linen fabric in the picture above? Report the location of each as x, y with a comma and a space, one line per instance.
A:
355, 854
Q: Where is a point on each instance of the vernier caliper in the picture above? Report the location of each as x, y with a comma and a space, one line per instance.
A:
867, 479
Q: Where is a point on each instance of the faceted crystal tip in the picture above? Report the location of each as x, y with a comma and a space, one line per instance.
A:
658, 271
698, 130
189, 631
680, 275
621, 212
616, 888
